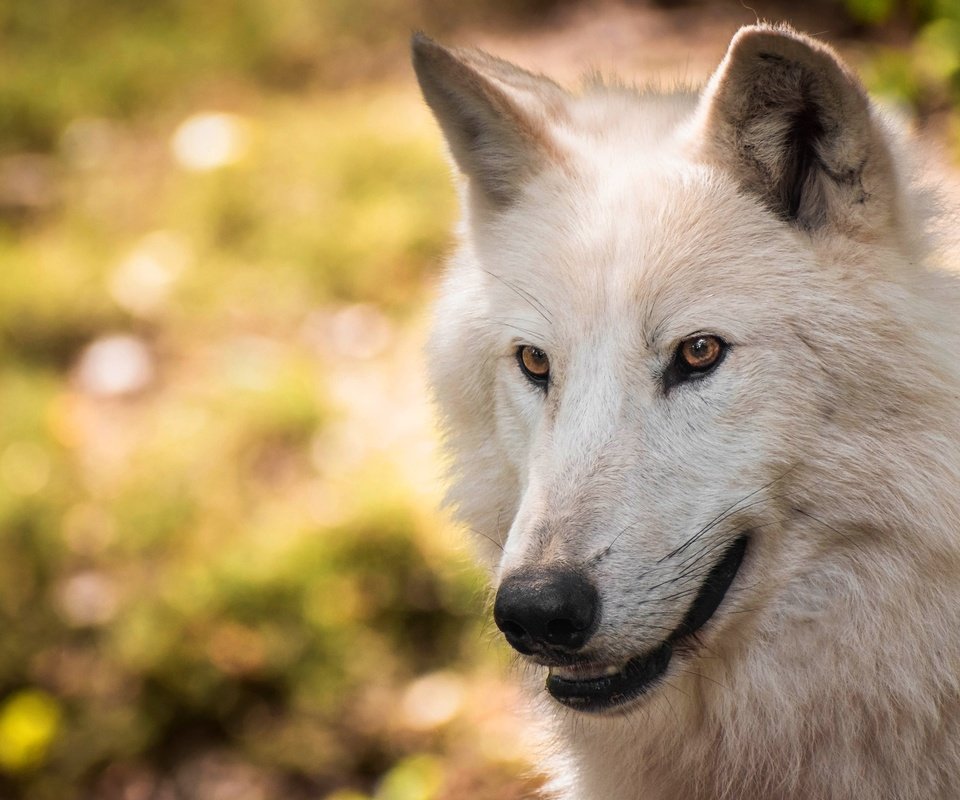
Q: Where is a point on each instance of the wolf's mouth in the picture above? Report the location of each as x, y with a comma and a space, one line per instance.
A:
591, 686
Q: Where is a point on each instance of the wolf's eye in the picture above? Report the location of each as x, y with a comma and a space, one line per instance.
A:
695, 356
534, 363
700, 353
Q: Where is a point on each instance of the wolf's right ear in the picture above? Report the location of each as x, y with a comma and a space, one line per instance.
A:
494, 116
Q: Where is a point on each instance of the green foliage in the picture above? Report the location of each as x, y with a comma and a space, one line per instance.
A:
217, 568
871, 11
60, 60
926, 75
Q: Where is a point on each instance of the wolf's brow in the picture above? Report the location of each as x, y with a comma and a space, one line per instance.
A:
524, 295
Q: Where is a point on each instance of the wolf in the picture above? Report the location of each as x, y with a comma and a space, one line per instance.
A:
697, 363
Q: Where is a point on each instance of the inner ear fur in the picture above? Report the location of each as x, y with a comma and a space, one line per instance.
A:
493, 115
795, 127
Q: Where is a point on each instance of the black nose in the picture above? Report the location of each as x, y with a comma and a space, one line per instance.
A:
546, 608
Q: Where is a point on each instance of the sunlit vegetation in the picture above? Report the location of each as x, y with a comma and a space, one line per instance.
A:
222, 570
921, 72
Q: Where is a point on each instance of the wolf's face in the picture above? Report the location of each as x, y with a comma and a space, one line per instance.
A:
622, 354
643, 389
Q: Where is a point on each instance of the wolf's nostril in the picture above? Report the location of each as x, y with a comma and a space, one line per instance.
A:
512, 629
546, 608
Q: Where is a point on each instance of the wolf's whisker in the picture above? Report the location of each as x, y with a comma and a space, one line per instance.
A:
535, 304
490, 539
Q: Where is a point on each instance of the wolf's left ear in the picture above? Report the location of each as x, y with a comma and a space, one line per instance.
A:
494, 116
795, 127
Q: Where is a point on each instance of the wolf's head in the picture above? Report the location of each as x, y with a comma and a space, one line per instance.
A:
669, 355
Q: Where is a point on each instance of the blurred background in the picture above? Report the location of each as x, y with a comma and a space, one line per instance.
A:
223, 572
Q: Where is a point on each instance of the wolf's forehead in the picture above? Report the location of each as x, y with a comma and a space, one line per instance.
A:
650, 245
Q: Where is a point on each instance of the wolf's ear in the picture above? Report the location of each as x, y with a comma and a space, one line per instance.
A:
794, 126
494, 115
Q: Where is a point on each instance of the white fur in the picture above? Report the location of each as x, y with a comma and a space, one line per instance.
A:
831, 431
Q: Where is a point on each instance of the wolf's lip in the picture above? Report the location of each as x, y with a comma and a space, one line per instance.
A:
607, 691
591, 686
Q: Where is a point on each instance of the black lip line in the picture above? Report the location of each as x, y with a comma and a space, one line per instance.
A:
641, 671
712, 590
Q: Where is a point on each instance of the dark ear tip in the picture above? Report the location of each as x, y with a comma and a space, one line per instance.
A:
419, 40
429, 57
778, 41
422, 47
759, 46
767, 31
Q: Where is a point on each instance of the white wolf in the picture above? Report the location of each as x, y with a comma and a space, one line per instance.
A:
700, 376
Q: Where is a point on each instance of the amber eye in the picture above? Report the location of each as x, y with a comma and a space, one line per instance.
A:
699, 353
695, 357
534, 363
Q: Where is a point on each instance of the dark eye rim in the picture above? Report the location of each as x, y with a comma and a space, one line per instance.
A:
541, 381
680, 371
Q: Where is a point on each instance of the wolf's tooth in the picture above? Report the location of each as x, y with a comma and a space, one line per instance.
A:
585, 672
